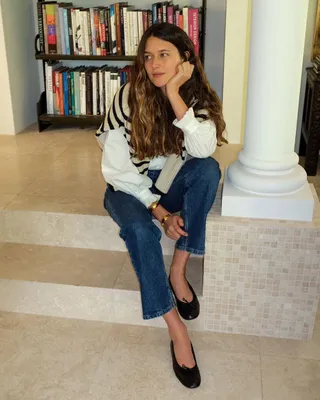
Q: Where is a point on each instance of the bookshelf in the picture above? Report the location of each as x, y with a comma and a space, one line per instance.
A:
45, 120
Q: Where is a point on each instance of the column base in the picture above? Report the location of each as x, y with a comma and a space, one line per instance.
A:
297, 206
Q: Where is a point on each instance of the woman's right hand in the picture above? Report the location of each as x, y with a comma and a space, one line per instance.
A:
173, 227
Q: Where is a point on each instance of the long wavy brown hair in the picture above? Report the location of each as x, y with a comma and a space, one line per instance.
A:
152, 131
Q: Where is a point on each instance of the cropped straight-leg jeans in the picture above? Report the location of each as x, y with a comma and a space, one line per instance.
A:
192, 193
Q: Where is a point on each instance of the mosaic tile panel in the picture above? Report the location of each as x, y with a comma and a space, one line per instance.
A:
261, 277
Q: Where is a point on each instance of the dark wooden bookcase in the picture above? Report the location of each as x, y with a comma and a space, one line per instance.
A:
45, 120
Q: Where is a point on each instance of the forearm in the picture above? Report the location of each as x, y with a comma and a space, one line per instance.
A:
178, 105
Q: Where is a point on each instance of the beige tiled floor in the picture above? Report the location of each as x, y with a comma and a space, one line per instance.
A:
60, 359
53, 358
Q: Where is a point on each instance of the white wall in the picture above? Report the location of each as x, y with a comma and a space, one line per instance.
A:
6, 114
19, 33
214, 50
237, 42
306, 63
20, 79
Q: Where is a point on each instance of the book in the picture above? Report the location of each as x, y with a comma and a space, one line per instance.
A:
193, 28
51, 28
40, 28
93, 33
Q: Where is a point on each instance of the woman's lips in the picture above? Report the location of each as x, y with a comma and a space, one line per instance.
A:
157, 75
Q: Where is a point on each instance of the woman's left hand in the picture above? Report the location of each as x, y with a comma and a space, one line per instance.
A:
184, 73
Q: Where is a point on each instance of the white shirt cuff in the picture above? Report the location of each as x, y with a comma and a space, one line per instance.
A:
188, 123
147, 197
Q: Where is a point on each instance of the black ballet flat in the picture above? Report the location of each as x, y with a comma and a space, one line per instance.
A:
189, 377
187, 310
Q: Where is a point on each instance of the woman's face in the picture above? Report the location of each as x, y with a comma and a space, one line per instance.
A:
161, 61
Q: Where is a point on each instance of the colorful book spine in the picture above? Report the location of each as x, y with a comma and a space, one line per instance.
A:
45, 29
51, 27
86, 32
102, 31
74, 31
73, 104
193, 19
58, 93
113, 29
58, 30
118, 29
76, 76
185, 14
65, 92
40, 28
61, 92
62, 34
170, 15
108, 33
97, 31
66, 31
70, 32
93, 33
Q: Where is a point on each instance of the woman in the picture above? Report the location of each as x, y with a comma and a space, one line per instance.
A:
158, 137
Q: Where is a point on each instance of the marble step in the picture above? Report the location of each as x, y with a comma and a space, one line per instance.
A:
66, 230
87, 284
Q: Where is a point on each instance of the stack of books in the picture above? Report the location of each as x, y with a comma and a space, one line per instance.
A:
114, 30
316, 64
82, 90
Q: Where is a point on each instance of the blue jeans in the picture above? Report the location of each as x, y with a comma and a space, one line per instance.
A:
192, 193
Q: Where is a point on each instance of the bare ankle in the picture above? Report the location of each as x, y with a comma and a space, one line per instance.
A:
180, 332
176, 274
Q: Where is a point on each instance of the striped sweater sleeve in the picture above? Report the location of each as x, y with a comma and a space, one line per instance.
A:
116, 164
117, 115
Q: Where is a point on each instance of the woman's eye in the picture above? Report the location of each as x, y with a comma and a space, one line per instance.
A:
164, 54
147, 57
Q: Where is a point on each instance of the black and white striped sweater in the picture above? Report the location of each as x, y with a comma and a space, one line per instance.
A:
118, 116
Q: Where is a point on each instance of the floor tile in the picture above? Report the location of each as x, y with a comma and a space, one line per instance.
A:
5, 200
40, 325
87, 187
148, 369
70, 266
308, 349
224, 342
48, 366
290, 379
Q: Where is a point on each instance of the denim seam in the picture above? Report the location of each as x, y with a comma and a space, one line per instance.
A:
159, 313
191, 250
186, 222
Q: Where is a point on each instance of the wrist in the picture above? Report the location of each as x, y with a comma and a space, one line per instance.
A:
172, 91
164, 219
159, 213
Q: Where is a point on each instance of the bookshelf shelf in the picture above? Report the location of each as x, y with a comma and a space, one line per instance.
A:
45, 119
57, 57
71, 118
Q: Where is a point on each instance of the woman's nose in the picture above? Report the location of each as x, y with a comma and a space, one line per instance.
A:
156, 62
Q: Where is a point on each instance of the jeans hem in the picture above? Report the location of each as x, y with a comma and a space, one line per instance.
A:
159, 313
191, 250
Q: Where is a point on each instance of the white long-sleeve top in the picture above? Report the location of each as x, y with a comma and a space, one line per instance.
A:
119, 171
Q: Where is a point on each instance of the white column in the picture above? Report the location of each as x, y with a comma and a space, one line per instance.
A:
266, 181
